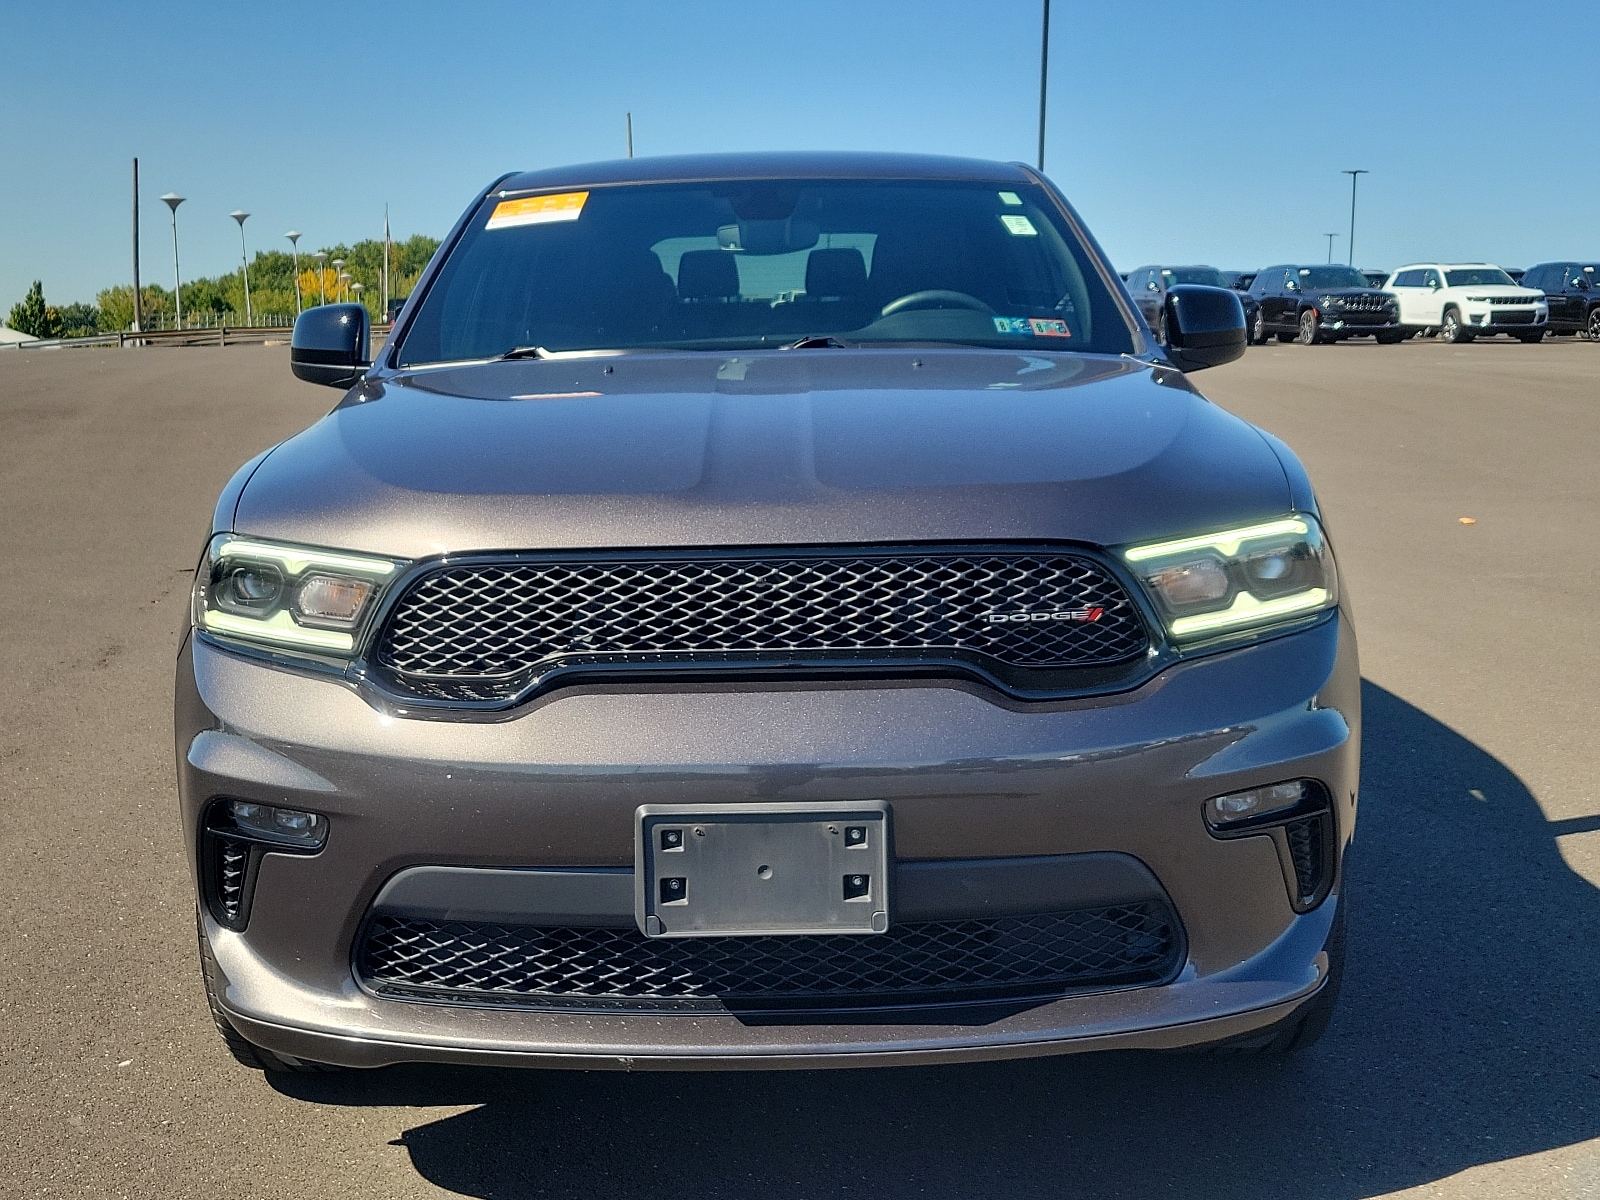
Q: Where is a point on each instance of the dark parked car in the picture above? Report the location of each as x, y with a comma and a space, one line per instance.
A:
761, 611
1573, 292
1322, 303
1150, 286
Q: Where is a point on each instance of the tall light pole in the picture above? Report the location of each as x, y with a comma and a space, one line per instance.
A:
1330, 237
355, 292
322, 282
1351, 244
344, 279
630, 134
338, 279
294, 243
1044, 78
138, 302
172, 200
239, 215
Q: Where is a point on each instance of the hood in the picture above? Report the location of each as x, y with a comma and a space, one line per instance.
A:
786, 447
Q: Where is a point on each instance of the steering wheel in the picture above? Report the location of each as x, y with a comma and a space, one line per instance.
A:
934, 298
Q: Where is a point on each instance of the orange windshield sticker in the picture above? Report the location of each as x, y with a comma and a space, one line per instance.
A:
537, 210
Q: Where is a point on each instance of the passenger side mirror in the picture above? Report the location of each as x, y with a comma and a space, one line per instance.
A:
1205, 326
330, 345
1581, 283
1435, 284
1292, 286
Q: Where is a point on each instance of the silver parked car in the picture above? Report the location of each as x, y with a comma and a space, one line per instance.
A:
768, 611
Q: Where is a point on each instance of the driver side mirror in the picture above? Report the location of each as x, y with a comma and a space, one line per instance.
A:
330, 345
1581, 283
1291, 286
1205, 326
1435, 284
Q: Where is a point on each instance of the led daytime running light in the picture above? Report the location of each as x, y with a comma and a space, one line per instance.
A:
296, 561
1246, 609
279, 628
1225, 543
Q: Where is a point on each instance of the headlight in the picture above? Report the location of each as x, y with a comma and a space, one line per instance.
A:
1242, 578
287, 597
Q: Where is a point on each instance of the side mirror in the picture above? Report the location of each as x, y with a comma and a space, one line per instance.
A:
1435, 284
1205, 326
1292, 286
1581, 283
330, 345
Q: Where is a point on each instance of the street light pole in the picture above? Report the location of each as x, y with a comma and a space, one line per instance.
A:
1330, 237
294, 242
239, 215
1351, 244
1044, 78
322, 265
172, 200
138, 306
338, 280
630, 134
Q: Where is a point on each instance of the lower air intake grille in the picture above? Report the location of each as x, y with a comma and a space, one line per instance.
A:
914, 964
1308, 851
230, 873
484, 631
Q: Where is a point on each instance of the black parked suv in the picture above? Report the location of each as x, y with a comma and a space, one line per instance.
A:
1321, 304
1573, 290
1149, 287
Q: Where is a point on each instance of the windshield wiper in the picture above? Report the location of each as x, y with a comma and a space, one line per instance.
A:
524, 352
814, 341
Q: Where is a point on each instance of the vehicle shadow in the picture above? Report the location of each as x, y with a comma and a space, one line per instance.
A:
1467, 1033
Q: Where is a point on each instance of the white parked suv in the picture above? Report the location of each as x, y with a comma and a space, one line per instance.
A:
1460, 301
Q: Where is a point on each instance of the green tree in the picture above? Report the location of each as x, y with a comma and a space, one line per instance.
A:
116, 306
31, 315
79, 320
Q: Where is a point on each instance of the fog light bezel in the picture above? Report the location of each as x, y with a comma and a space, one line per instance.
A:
1315, 804
220, 826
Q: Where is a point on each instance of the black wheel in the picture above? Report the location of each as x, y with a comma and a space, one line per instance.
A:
1310, 331
1531, 339
1594, 325
1452, 330
1286, 337
1258, 329
244, 1052
1308, 1022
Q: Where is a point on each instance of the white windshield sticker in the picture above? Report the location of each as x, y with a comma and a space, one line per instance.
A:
1018, 224
1011, 198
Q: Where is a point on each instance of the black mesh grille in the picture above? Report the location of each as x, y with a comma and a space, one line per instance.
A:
482, 631
1308, 851
914, 964
1511, 316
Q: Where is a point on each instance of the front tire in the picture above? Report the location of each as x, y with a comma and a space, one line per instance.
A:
1310, 330
1258, 329
244, 1052
1531, 339
1452, 330
1594, 325
1307, 1023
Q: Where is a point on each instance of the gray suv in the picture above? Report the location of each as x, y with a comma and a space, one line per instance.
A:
768, 611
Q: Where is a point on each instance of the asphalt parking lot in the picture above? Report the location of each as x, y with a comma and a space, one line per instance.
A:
1465, 1057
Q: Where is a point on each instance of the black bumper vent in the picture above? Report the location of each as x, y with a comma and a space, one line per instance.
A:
913, 965
1309, 852
227, 869
486, 631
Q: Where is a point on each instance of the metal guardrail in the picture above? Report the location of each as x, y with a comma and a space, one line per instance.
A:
220, 335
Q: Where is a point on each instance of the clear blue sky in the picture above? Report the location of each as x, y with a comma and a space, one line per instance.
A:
1183, 130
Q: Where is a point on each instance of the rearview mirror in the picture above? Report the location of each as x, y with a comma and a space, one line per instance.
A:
1205, 326
330, 345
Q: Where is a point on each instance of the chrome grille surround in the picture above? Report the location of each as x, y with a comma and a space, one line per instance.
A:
488, 631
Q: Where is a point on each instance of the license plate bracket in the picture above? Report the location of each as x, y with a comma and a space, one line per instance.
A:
731, 870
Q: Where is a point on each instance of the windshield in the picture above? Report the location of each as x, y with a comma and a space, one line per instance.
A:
747, 264
1332, 277
1209, 276
1477, 276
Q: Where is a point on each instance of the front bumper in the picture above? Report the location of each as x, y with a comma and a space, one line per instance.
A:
1342, 324
968, 778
